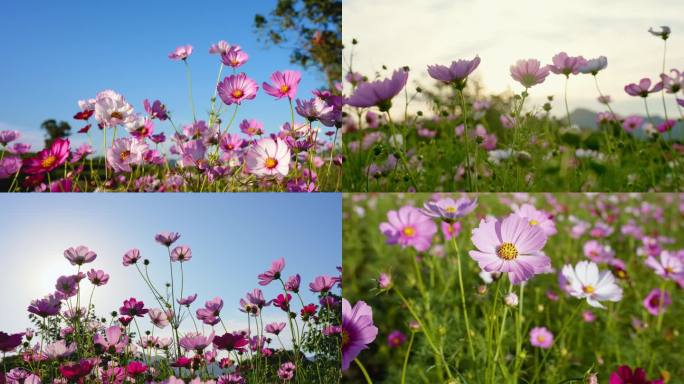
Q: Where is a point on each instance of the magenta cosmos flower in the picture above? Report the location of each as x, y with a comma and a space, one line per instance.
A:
181, 52
457, 73
562, 64
529, 72
541, 337
167, 238
79, 255
322, 283
448, 209
133, 307
47, 306
357, 330
643, 88
284, 84
510, 245
625, 375
114, 339
9, 342
272, 273
48, 159
236, 88
286, 371
131, 257
537, 217
395, 339
379, 92
409, 227
657, 301
232, 341
270, 156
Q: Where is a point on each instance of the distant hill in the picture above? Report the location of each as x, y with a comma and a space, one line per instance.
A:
586, 119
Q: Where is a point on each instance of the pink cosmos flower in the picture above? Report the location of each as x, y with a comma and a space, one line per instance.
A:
47, 306
133, 307
112, 109
140, 127
270, 156
409, 227
316, 109
8, 136
67, 285
131, 257
396, 339
537, 217
158, 318
566, 65
236, 88
167, 238
210, 313
322, 283
529, 72
220, 48
448, 209
187, 300
125, 152
292, 283
507, 121
642, 89
510, 245
667, 266
252, 127
541, 337
79, 255
181, 253
98, 277
283, 302
632, 123
588, 316
231, 342
598, 252
135, 368
286, 371
114, 339
666, 125
657, 301
9, 166
457, 73
195, 341
357, 330
59, 349
181, 52
379, 92
48, 159
450, 230
272, 273
156, 109
234, 57
284, 84
275, 328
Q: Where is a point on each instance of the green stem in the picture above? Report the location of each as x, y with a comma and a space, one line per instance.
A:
565, 96
463, 303
192, 103
363, 369
469, 174
406, 358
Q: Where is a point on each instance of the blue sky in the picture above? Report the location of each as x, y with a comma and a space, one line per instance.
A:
233, 238
55, 53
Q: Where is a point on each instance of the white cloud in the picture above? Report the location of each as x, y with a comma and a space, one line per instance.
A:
417, 33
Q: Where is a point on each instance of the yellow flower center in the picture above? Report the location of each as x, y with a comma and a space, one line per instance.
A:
345, 338
534, 222
270, 163
48, 161
284, 88
541, 338
450, 209
507, 251
588, 289
124, 155
669, 270
409, 231
237, 93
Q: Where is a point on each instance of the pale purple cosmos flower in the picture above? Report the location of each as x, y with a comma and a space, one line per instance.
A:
125, 152
181, 253
315, 109
379, 92
643, 88
158, 318
632, 123
457, 73
187, 300
236, 88
284, 84
7, 136
510, 245
541, 337
272, 273
674, 82
357, 330
275, 328
252, 127
192, 153
220, 48
181, 52
537, 217
286, 371
657, 301
409, 227
98, 277
49, 305
667, 266
234, 57
133, 307
396, 339
256, 297
448, 209
167, 238
195, 341
593, 66
566, 65
529, 72
79, 255
322, 283
292, 283
131, 257
585, 281
67, 285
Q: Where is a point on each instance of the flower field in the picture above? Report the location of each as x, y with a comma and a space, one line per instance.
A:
179, 338
514, 288
469, 141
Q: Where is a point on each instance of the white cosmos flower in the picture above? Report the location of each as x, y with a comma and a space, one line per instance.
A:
585, 281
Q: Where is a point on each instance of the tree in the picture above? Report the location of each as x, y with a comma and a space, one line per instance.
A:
55, 130
315, 27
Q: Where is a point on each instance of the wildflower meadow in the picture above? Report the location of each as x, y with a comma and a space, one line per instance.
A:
513, 288
468, 140
141, 343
